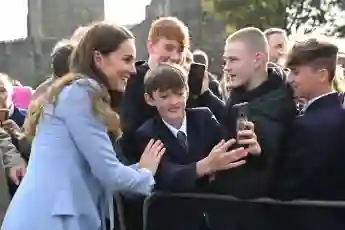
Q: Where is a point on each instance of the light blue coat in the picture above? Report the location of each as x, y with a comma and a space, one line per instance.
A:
72, 168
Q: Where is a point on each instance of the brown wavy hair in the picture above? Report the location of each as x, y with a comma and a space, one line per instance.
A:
104, 38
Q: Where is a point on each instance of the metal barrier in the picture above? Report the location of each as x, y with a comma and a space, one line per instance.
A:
306, 203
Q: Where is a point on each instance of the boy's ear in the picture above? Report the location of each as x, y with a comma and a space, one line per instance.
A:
323, 75
149, 100
149, 46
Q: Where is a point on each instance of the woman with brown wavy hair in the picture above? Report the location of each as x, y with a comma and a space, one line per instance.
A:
73, 166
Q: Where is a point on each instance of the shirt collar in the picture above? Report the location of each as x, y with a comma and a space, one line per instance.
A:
311, 101
174, 131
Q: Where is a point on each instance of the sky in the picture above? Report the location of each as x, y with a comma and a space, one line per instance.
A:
15, 11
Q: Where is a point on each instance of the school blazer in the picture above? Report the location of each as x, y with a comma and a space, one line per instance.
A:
177, 170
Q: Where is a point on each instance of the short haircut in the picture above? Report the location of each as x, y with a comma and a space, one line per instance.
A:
200, 56
166, 76
170, 28
60, 57
272, 31
253, 37
315, 53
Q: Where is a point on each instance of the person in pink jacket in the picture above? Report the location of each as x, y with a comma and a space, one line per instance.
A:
21, 96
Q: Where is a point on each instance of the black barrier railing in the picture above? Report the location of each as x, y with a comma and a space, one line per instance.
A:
214, 197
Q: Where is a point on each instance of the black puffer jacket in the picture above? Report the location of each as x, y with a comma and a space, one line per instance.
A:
271, 107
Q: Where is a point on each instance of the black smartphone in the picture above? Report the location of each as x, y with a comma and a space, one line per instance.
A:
242, 117
196, 78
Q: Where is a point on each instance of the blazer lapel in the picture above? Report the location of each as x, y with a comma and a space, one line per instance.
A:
167, 137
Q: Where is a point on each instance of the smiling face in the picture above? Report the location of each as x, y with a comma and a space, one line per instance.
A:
312, 64
167, 89
170, 104
118, 66
165, 50
167, 40
306, 80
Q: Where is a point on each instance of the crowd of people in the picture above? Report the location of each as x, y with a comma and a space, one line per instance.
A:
84, 149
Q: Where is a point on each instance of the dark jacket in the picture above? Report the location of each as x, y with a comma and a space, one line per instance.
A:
18, 116
177, 170
272, 108
313, 161
312, 167
135, 111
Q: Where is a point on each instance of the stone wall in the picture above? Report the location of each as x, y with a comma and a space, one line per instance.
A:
50, 20
28, 60
61, 17
206, 32
20, 61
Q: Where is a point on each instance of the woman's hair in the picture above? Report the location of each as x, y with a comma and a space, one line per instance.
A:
105, 39
79, 33
7, 82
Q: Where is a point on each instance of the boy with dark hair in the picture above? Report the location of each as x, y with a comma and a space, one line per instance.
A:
167, 90
194, 143
168, 40
312, 166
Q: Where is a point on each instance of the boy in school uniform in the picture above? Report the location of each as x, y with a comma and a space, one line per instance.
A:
193, 139
168, 41
312, 164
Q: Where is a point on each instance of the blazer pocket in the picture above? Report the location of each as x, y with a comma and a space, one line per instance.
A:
65, 205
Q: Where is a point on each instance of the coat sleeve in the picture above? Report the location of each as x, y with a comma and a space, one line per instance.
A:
170, 176
176, 177
91, 138
9, 153
216, 105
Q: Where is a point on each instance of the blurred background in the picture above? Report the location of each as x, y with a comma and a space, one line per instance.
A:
30, 28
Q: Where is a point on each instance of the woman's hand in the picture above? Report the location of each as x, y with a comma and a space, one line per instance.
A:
12, 128
152, 155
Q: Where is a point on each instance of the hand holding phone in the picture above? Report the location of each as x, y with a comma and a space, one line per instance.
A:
195, 78
246, 137
241, 119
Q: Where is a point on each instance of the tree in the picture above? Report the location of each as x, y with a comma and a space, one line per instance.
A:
291, 15
325, 16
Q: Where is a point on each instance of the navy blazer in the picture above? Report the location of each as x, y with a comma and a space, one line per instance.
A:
313, 163
177, 170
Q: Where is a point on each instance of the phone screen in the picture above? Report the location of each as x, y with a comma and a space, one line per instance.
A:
196, 78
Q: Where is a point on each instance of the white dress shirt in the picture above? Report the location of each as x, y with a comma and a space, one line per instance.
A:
174, 131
